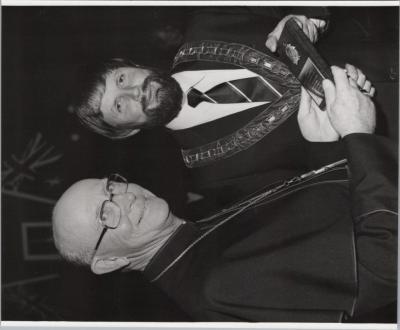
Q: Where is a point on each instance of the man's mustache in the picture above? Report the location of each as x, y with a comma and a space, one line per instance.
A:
146, 85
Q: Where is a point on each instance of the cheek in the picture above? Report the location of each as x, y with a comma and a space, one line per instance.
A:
126, 229
130, 238
157, 214
134, 235
134, 113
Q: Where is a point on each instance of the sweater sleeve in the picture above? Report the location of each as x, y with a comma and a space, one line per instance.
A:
373, 170
373, 187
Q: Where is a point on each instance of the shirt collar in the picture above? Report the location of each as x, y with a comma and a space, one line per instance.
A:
179, 240
188, 79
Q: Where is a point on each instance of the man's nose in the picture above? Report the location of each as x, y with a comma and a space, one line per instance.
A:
125, 201
136, 93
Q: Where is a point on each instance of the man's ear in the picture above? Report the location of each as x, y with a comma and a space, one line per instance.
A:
106, 265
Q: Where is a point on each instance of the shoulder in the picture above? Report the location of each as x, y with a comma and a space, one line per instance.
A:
233, 24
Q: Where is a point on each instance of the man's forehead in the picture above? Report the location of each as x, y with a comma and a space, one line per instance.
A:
113, 73
82, 200
96, 97
107, 93
94, 196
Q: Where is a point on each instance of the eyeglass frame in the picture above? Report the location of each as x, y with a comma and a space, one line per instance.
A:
109, 200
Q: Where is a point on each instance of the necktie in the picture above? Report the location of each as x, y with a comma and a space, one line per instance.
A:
254, 89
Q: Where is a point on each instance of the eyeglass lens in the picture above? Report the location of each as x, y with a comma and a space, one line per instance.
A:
116, 184
110, 213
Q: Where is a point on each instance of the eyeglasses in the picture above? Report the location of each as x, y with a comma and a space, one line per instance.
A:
110, 212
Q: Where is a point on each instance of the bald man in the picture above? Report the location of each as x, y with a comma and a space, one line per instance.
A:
321, 247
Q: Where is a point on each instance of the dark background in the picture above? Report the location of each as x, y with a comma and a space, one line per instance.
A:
45, 150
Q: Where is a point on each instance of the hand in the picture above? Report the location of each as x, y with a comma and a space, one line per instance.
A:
358, 78
349, 110
314, 123
311, 27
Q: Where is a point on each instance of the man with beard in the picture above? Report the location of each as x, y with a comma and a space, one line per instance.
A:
122, 97
230, 143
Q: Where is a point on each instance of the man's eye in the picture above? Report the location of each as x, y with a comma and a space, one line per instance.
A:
111, 187
105, 215
119, 105
116, 188
121, 80
110, 215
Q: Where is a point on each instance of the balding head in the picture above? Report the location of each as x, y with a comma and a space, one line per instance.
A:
74, 227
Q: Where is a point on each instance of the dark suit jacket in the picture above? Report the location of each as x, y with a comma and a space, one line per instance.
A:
281, 153
319, 252
245, 25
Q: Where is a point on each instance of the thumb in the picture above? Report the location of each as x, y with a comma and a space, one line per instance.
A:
305, 103
272, 42
273, 37
322, 24
319, 23
329, 91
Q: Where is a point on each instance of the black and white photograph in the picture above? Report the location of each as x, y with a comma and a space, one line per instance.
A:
162, 163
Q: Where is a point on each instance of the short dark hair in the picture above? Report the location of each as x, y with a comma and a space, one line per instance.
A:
90, 89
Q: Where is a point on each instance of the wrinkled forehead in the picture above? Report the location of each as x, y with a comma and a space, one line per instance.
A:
106, 94
96, 96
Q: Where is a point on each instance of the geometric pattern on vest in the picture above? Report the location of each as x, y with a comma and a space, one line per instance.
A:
274, 114
253, 89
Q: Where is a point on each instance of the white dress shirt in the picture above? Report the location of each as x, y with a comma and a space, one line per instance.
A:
205, 112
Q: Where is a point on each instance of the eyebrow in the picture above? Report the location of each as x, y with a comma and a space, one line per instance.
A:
115, 76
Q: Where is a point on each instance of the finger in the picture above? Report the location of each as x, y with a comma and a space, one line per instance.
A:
298, 20
329, 91
351, 71
307, 31
272, 42
273, 37
341, 81
353, 83
361, 78
319, 23
372, 92
305, 103
313, 32
367, 86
